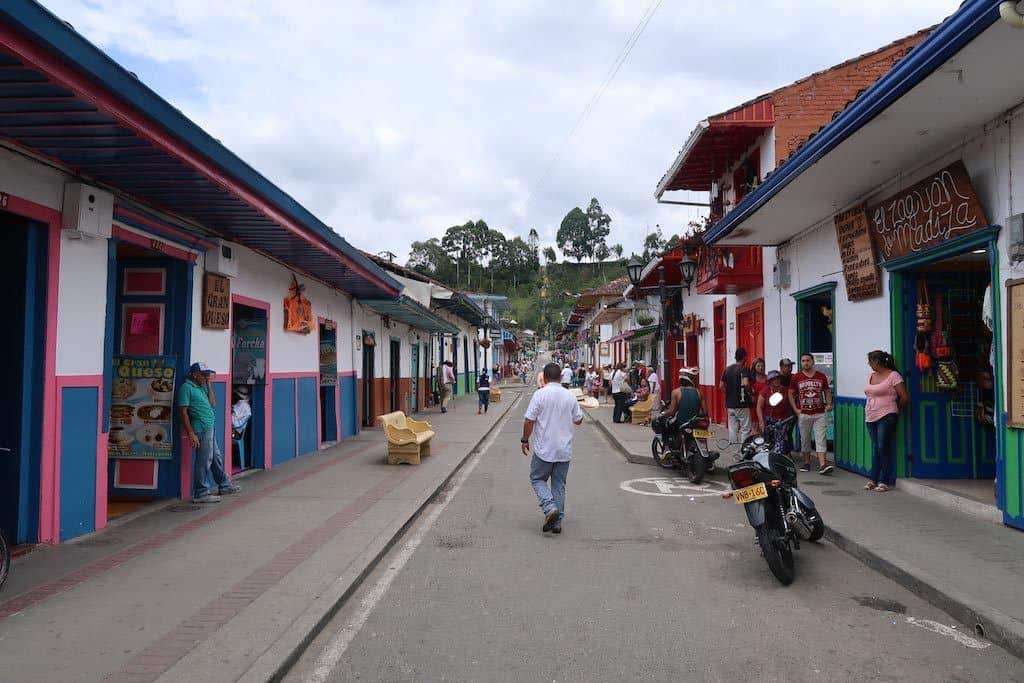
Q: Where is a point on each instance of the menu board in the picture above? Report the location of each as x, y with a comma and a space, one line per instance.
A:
1015, 357
142, 407
857, 254
249, 351
941, 207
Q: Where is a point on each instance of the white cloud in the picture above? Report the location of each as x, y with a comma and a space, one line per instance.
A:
392, 120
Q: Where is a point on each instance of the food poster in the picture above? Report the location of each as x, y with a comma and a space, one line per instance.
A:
142, 407
249, 353
328, 362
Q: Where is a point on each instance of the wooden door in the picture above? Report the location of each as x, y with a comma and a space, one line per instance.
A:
750, 329
721, 363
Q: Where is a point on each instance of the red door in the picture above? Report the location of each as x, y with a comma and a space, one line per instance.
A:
717, 406
750, 329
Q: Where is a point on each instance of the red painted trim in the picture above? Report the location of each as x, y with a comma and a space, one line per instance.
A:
253, 303
146, 128
268, 401
49, 479
165, 227
347, 373
294, 375
126, 235
97, 382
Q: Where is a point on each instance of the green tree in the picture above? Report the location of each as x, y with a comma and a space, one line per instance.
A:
598, 226
617, 250
430, 258
534, 241
601, 253
654, 245
573, 235
549, 255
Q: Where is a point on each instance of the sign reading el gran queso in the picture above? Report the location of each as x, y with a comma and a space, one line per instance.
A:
941, 207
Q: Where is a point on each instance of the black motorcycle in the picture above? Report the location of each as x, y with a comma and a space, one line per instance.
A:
683, 447
764, 482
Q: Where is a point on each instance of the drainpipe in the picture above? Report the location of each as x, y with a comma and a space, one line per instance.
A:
1011, 14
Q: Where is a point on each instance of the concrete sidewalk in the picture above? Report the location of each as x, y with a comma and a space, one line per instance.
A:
970, 568
229, 591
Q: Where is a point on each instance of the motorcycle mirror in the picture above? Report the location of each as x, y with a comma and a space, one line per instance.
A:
775, 399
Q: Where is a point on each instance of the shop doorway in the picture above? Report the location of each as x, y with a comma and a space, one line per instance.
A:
718, 323
249, 345
415, 374
328, 382
395, 374
23, 276
148, 313
815, 319
952, 433
369, 379
465, 364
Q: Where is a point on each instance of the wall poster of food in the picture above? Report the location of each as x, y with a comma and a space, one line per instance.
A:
142, 407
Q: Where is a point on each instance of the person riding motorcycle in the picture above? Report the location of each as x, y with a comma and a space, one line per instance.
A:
687, 402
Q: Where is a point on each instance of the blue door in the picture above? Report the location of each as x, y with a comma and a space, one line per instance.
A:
946, 439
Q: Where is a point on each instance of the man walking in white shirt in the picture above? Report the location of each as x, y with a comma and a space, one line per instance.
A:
448, 375
550, 419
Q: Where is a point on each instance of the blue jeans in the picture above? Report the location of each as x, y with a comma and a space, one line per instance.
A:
485, 398
883, 434
208, 475
553, 497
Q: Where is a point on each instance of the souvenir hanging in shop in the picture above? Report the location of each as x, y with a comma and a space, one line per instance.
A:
922, 359
947, 375
924, 309
298, 311
941, 347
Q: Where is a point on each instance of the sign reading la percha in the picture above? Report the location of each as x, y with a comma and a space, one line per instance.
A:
941, 207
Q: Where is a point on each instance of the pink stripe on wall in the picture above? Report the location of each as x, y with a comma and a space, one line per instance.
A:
268, 400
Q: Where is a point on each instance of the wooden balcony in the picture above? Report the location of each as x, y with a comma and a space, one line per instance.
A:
728, 270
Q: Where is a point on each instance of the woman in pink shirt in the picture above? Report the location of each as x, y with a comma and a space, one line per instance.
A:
887, 394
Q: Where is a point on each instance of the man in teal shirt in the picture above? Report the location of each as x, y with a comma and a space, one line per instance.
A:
195, 406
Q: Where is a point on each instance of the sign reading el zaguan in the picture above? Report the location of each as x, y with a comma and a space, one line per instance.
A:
941, 207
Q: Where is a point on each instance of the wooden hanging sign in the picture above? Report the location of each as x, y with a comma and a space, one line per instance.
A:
216, 301
940, 208
857, 253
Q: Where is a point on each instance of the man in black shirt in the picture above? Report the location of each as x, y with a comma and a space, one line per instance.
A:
737, 384
785, 371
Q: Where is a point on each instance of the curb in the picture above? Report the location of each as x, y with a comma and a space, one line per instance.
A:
987, 622
967, 506
278, 671
630, 457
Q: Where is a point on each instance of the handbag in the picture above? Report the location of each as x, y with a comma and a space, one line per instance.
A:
924, 308
922, 359
941, 347
947, 375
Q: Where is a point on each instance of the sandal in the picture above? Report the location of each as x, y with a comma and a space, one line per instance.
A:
870, 486
882, 488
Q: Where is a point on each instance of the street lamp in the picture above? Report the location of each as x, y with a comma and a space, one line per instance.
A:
634, 269
687, 269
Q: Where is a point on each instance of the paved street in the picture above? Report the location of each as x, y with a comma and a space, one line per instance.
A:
639, 586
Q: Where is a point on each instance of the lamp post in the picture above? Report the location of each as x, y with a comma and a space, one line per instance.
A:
687, 270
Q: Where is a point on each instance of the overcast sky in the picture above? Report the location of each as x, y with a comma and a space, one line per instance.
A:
394, 119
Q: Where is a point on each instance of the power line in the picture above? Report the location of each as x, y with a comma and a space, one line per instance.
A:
613, 70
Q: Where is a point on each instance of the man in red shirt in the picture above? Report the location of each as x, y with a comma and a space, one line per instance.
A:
810, 397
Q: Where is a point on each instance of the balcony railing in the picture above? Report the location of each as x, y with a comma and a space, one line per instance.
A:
728, 270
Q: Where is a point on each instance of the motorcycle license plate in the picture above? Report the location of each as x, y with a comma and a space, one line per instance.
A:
701, 434
750, 494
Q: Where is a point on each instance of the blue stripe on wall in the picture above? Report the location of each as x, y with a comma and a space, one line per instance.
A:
220, 390
79, 408
349, 406
309, 435
282, 444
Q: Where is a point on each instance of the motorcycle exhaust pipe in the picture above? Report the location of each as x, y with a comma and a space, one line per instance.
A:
798, 523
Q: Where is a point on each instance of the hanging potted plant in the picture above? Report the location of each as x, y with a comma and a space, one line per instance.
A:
485, 343
644, 319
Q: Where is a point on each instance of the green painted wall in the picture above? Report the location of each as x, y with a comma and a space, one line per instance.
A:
852, 444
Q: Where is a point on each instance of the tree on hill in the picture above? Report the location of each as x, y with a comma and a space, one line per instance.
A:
573, 235
617, 250
602, 252
654, 245
549, 255
533, 239
598, 226
430, 258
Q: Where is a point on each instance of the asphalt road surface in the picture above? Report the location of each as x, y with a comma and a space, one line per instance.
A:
637, 587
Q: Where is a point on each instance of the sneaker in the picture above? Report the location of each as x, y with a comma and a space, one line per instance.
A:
826, 469
551, 519
444, 410
230, 490
208, 498
806, 467
557, 529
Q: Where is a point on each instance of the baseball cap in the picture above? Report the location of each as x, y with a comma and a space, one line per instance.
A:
785, 361
773, 374
200, 366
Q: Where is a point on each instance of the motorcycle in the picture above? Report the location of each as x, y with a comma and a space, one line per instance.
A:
764, 482
684, 447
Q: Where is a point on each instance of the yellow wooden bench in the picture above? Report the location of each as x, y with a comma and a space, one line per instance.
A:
641, 410
408, 439
495, 394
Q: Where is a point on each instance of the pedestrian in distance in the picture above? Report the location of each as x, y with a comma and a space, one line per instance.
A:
759, 381
550, 420
619, 392
810, 398
768, 415
785, 372
606, 382
686, 401
447, 384
483, 392
566, 376
655, 384
195, 401
886, 396
737, 384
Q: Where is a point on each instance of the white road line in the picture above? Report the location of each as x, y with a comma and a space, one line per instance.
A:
943, 630
335, 649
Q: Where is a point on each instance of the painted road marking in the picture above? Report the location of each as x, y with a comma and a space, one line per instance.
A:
334, 650
949, 632
672, 487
